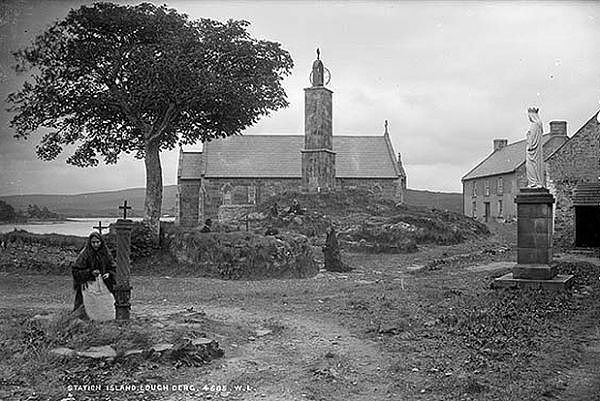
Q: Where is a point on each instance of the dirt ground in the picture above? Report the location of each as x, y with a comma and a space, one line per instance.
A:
380, 332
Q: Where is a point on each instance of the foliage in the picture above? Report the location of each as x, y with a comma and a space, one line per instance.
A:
35, 212
115, 79
7, 212
512, 325
56, 240
142, 241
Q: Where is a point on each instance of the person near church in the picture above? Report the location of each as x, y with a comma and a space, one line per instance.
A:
207, 226
93, 261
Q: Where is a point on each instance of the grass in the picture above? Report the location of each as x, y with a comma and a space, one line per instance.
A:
443, 334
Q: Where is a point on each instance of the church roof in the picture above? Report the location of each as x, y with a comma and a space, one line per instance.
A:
505, 160
279, 156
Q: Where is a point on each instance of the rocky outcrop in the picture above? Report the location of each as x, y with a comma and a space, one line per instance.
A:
244, 255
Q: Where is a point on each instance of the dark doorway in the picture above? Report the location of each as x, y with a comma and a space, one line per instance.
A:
587, 226
486, 216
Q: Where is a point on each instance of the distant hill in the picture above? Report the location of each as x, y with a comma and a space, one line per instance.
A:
105, 204
451, 201
95, 204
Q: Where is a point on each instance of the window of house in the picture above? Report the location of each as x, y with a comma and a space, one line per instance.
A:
252, 194
500, 208
487, 188
474, 188
474, 210
500, 185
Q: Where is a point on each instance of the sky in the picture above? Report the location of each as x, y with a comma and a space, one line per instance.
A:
448, 76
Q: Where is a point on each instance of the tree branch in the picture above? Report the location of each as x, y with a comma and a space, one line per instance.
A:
156, 132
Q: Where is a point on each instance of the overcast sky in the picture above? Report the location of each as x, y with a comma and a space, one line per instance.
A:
449, 76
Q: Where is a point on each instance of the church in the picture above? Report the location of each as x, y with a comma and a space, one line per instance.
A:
230, 176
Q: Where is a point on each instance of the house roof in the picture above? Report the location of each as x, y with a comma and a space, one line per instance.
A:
505, 160
263, 156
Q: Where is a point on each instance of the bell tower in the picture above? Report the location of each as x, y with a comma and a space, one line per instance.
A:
318, 157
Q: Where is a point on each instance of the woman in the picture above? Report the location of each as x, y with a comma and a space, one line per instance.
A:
93, 261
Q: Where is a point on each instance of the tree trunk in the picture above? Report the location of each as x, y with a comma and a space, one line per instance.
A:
154, 187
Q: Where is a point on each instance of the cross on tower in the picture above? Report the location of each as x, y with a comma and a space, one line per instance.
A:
100, 227
124, 208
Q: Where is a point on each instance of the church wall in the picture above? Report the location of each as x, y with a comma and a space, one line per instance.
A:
188, 198
241, 191
267, 187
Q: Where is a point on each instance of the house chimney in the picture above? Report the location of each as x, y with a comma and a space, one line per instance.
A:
558, 128
499, 144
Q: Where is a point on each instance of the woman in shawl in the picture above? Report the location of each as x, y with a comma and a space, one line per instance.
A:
93, 261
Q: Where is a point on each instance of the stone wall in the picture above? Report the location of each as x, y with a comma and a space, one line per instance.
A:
578, 160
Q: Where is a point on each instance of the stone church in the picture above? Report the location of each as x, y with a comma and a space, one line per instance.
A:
232, 175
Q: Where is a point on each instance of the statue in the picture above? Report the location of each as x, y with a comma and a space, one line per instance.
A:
317, 75
533, 157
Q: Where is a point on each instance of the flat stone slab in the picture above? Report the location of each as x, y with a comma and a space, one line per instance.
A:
202, 341
558, 283
133, 352
162, 347
62, 351
263, 332
491, 267
103, 351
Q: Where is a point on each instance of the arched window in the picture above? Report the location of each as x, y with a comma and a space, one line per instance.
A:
226, 190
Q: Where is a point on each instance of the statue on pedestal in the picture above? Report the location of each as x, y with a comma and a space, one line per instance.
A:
534, 162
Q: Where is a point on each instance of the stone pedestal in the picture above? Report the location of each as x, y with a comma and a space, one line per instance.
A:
534, 244
122, 287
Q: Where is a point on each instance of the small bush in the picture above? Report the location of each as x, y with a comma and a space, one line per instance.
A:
57, 240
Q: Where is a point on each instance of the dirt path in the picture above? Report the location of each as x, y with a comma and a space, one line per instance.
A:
286, 364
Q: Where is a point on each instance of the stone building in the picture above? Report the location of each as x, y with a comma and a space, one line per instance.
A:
232, 175
490, 187
573, 177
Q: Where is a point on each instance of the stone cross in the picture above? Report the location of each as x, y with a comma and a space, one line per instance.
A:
124, 208
100, 227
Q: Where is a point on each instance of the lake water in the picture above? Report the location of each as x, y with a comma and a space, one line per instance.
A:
80, 227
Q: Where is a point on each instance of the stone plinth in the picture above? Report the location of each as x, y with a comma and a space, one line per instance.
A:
122, 287
534, 244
